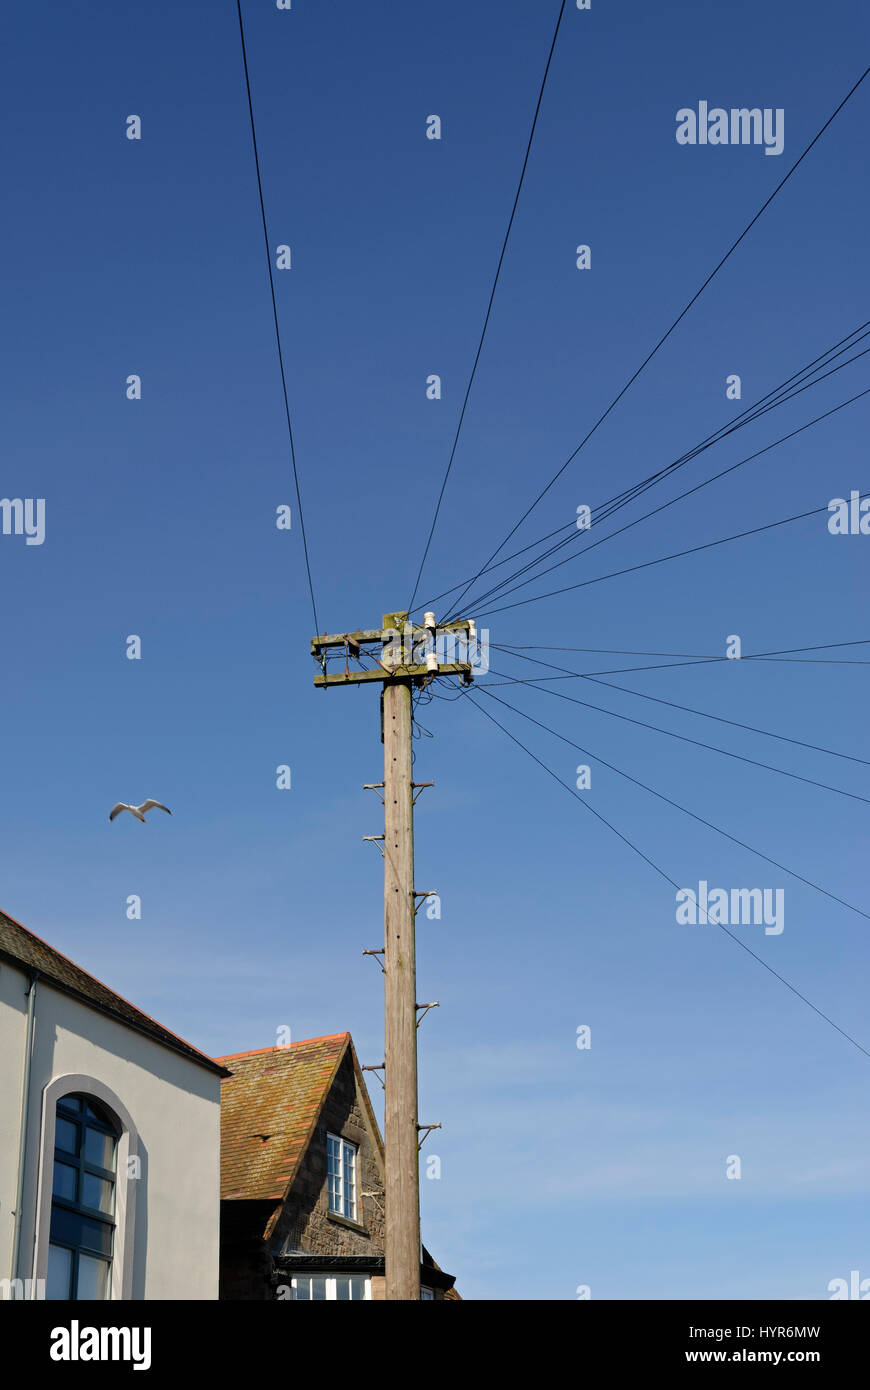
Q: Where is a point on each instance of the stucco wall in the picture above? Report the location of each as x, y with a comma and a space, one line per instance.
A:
174, 1105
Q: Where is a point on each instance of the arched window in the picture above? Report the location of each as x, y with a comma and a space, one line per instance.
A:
83, 1201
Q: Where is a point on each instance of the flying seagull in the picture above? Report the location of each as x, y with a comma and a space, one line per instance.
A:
138, 811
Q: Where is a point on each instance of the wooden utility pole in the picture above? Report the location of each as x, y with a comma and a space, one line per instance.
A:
397, 648
402, 1197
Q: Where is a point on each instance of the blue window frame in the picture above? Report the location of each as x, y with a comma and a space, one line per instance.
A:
83, 1201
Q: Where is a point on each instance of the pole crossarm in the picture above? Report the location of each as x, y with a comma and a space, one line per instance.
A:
365, 636
396, 648
419, 674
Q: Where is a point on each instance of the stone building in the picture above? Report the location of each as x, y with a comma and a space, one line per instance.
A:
302, 1178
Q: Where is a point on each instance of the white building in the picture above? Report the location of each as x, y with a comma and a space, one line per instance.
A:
109, 1139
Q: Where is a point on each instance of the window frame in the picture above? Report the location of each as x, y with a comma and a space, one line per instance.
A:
73, 1107
127, 1189
330, 1281
343, 1146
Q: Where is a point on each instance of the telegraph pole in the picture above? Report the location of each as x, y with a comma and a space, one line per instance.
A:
397, 649
402, 1204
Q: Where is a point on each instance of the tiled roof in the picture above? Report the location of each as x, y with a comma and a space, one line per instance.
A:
269, 1108
23, 947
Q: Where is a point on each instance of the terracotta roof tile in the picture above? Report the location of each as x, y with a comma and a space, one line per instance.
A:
269, 1107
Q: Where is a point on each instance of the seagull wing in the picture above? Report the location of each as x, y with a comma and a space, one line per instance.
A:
151, 805
121, 806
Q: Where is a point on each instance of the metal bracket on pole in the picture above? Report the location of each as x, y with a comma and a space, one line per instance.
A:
374, 787
375, 840
379, 951
421, 786
428, 1129
379, 1068
426, 1007
433, 893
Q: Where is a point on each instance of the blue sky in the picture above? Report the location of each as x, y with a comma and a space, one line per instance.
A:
560, 1167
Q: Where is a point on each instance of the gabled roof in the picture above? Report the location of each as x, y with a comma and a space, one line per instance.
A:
270, 1106
23, 948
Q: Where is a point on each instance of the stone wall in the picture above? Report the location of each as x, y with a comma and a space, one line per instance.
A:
306, 1223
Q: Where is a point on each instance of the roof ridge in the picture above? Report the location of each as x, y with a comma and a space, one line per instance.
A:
280, 1047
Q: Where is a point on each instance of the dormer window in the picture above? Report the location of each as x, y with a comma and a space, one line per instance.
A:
341, 1176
